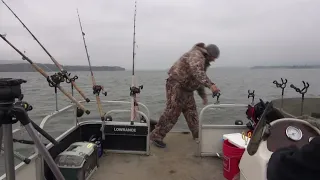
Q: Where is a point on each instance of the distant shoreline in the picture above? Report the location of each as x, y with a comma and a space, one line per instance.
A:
26, 67
287, 67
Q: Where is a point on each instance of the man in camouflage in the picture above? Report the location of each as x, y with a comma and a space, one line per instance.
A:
185, 76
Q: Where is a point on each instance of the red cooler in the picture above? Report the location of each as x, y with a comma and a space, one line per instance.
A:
231, 159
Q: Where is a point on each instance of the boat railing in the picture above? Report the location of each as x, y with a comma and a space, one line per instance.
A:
210, 135
47, 119
65, 109
56, 113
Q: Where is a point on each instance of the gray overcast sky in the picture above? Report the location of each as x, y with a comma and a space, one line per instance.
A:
248, 32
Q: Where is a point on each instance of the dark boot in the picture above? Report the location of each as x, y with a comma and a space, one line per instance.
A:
159, 143
196, 135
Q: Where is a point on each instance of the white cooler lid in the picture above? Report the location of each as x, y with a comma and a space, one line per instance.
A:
236, 139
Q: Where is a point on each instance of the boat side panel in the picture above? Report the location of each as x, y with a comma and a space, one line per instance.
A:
83, 133
74, 136
118, 141
212, 137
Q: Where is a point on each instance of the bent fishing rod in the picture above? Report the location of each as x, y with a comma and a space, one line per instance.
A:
63, 73
133, 89
96, 88
53, 80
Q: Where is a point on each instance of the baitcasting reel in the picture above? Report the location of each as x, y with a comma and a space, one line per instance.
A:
135, 90
216, 94
97, 89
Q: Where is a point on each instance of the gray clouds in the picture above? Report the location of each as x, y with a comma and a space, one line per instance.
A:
248, 32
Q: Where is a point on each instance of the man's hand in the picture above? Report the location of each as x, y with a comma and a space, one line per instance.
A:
205, 101
214, 88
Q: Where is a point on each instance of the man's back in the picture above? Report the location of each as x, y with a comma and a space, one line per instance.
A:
190, 67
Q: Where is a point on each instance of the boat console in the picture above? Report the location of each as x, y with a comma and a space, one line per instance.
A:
287, 132
273, 132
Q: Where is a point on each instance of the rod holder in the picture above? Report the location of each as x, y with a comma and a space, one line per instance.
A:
302, 91
282, 85
251, 95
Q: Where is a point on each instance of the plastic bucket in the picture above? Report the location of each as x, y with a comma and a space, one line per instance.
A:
231, 159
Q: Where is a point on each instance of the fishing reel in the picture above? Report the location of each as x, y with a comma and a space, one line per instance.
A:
55, 79
67, 77
216, 94
135, 90
97, 89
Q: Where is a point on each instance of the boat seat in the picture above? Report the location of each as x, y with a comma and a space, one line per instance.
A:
253, 166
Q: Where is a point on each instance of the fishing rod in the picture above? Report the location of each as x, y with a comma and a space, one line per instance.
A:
63, 73
96, 88
133, 89
53, 80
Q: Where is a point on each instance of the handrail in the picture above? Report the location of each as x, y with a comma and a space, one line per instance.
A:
125, 102
201, 118
55, 113
217, 106
109, 112
49, 145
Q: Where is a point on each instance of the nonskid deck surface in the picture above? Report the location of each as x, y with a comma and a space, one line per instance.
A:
176, 162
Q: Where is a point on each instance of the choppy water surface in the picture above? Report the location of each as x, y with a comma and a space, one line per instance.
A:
233, 82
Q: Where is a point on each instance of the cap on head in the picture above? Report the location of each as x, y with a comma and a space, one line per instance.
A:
213, 50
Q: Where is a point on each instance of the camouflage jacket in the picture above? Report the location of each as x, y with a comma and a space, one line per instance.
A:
190, 70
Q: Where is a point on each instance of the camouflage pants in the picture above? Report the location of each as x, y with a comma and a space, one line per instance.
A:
178, 101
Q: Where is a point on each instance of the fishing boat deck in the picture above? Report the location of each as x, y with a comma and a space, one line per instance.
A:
176, 162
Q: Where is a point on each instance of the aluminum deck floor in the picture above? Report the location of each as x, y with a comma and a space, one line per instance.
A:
176, 162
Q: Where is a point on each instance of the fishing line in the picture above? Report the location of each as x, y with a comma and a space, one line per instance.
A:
96, 88
133, 89
53, 80
63, 72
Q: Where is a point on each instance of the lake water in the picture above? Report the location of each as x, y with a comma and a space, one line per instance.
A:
233, 83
